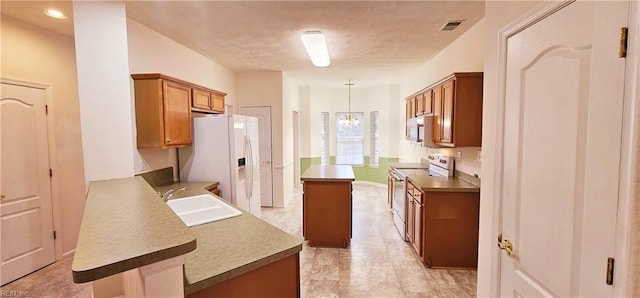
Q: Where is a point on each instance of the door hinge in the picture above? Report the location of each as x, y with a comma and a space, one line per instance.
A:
610, 264
46, 109
55, 236
623, 42
50, 173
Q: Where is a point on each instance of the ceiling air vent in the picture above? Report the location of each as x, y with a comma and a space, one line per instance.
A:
451, 25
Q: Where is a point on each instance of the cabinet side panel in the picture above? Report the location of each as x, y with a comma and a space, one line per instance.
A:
468, 112
327, 213
149, 124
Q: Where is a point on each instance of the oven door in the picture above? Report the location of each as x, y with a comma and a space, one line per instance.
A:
400, 205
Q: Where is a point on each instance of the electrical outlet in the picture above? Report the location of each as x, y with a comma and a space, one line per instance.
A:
459, 154
479, 155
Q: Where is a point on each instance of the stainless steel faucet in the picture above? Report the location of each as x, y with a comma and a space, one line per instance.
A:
167, 195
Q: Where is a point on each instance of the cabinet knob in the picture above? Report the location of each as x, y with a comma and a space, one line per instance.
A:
168, 140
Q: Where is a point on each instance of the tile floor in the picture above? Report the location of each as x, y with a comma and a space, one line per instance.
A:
377, 264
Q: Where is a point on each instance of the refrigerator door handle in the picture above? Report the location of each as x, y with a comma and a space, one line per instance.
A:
249, 153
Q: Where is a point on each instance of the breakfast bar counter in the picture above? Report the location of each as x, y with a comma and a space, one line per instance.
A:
127, 225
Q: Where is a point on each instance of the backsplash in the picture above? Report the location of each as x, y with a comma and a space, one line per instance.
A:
468, 163
158, 177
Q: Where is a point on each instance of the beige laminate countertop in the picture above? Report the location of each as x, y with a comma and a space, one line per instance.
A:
328, 173
126, 225
230, 247
442, 184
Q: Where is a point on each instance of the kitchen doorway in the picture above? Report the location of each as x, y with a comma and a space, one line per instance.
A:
263, 113
296, 149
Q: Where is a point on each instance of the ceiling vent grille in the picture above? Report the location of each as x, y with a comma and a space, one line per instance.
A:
451, 25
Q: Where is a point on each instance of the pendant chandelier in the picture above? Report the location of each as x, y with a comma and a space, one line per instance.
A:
349, 120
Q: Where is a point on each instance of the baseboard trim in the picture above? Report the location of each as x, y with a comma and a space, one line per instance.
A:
365, 182
69, 253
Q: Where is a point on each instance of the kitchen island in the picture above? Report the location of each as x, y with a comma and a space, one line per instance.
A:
327, 205
129, 235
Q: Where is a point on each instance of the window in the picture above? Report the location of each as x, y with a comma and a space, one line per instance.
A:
350, 141
374, 157
324, 138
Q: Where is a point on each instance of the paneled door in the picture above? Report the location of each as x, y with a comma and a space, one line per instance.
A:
25, 207
563, 110
266, 166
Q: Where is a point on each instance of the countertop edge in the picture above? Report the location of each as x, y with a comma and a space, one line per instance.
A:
93, 274
222, 277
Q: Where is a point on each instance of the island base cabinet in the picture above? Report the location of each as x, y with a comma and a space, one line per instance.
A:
278, 279
327, 213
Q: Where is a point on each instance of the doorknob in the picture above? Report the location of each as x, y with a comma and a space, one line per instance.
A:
505, 244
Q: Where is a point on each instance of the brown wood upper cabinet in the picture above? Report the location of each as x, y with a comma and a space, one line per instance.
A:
457, 111
207, 101
163, 109
456, 105
163, 112
424, 104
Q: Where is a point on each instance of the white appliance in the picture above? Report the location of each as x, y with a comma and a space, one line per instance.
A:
225, 149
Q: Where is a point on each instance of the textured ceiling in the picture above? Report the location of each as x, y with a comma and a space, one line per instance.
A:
372, 42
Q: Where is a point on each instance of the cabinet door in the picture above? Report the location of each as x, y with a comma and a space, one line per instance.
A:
177, 114
447, 111
407, 116
410, 219
437, 113
201, 99
412, 108
419, 104
217, 103
417, 228
427, 100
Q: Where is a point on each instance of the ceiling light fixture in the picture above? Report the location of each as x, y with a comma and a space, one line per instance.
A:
349, 120
55, 14
316, 47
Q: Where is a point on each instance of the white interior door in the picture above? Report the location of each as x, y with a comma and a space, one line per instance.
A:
266, 166
561, 152
25, 207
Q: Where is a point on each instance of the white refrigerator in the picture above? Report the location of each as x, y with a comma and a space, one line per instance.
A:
225, 149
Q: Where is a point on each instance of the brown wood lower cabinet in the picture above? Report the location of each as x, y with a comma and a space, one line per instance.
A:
327, 213
278, 279
443, 227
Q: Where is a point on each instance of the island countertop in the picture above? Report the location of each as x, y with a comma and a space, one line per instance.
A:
328, 173
125, 226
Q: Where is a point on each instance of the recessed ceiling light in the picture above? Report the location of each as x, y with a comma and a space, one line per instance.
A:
55, 14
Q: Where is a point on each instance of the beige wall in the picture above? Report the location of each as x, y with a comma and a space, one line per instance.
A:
33, 54
497, 15
266, 89
151, 52
465, 54
382, 98
290, 103
106, 111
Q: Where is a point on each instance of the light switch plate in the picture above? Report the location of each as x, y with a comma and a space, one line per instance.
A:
479, 155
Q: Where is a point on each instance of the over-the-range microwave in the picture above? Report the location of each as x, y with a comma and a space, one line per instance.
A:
420, 130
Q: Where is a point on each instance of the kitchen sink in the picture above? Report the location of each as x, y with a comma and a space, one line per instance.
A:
201, 209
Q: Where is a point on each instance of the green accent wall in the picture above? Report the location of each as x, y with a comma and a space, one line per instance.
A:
363, 173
